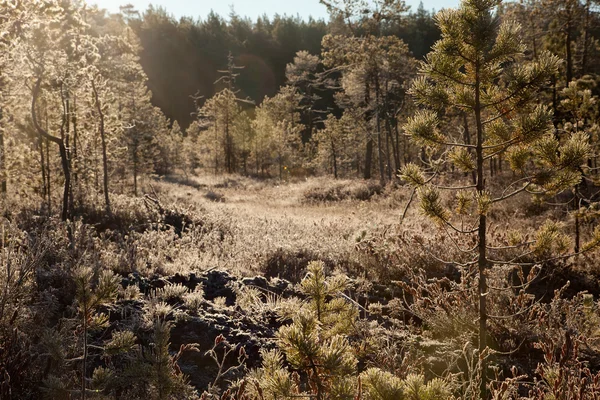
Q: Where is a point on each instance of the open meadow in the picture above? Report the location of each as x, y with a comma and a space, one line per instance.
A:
227, 261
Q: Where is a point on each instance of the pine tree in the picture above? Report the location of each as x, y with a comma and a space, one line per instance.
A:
303, 75
89, 297
579, 108
338, 143
217, 119
375, 71
478, 67
316, 345
10, 21
49, 59
278, 130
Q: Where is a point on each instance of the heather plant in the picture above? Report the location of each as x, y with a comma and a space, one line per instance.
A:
230, 361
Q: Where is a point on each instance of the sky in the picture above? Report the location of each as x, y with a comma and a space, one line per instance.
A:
248, 8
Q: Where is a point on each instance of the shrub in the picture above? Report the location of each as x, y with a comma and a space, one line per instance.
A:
342, 190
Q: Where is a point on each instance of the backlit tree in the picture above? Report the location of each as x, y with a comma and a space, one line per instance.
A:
478, 67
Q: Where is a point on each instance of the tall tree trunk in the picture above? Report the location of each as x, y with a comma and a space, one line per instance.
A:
380, 155
395, 145
66, 135
482, 238
256, 154
96, 174
135, 170
388, 155
64, 158
216, 148
75, 153
533, 35
43, 168
334, 155
48, 167
586, 28
467, 139
369, 147
568, 52
368, 158
104, 152
61, 146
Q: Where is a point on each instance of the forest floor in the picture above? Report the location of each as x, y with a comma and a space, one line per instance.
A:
315, 218
225, 255
273, 229
268, 224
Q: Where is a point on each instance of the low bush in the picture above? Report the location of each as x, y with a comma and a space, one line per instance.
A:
342, 190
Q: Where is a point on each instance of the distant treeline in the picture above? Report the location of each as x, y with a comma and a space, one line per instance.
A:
182, 57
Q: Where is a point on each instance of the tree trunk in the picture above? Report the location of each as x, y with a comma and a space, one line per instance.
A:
584, 55
48, 177
74, 155
61, 146
369, 147
467, 139
388, 154
135, 172
334, 155
64, 158
533, 35
67, 146
555, 115
43, 168
569, 56
104, 152
395, 146
380, 156
481, 234
368, 159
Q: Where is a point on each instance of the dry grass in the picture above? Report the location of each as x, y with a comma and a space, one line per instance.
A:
268, 221
407, 272
269, 227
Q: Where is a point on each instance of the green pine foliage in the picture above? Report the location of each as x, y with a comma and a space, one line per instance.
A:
318, 348
479, 69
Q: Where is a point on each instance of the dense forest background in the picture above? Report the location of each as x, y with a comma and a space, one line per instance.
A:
182, 58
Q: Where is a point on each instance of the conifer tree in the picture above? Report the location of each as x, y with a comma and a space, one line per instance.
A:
375, 71
50, 60
579, 108
316, 345
278, 130
338, 144
478, 67
303, 75
217, 119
